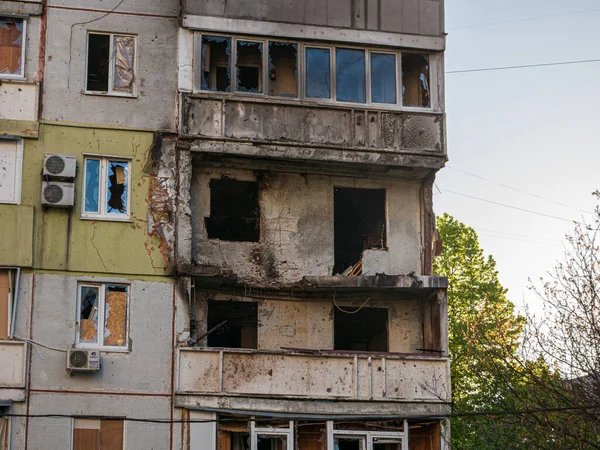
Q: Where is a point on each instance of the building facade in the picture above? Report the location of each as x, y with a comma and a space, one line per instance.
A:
226, 208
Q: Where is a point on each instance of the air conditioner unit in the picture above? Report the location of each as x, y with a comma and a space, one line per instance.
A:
58, 193
83, 360
60, 166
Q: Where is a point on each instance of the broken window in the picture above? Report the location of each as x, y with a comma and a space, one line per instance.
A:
233, 435
106, 188
361, 330
110, 64
11, 162
367, 435
233, 324
234, 211
359, 224
102, 315
350, 75
216, 65
349, 443
277, 436
96, 434
283, 69
311, 436
12, 48
318, 72
425, 436
383, 78
415, 80
249, 66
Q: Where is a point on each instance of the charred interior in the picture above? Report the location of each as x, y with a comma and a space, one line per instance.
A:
359, 225
234, 324
364, 329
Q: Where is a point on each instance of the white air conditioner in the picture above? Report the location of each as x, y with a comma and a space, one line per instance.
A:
58, 193
83, 360
60, 166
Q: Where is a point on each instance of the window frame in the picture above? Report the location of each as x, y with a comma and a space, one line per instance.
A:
24, 19
301, 73
111, 61
263, 68
368, 435
101, 317
18, 169
103, 214
269, 431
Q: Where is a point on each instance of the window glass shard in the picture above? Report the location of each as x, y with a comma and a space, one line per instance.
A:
215, 70
115, 316
92, 174
249, 66
117, 187
88, 316
98, 62
283, 78
11, 46
415, 80
318, 75
383, 78
124, 53
350, 75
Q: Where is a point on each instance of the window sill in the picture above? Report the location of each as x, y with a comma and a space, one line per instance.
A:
103, 349
4, 78
107, 218
109, 94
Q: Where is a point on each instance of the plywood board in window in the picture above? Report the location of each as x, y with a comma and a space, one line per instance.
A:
111, 434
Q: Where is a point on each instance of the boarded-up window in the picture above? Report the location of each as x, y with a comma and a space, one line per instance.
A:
11, 154
12, 38
92, 434
110, 64
102, 315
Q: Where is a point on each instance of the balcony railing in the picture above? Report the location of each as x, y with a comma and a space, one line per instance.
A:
332, 376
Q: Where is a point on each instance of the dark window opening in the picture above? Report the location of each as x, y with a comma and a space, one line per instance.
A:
215, 64
365, 330
283, 69
233, 435
241, 326
387, 444
266, 442
249, 66
349, 443
98, 62
359, 224
415, 80
234, 211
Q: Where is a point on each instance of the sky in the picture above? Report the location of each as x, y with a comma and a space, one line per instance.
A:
533, 129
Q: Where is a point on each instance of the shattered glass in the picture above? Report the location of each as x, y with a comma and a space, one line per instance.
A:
249, 66
92, 183
318, 76
88, 317
216, 68
283, 72
115, 316
350, 75
383, 78
11, 46
124, 56
118, 174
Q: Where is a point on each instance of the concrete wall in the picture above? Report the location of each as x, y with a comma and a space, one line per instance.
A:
156, 75
297, 226
309, 323
424, 17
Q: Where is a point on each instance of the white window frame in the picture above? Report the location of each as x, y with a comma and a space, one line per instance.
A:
301, 74
20, 76
369, 436
18, 169
103, 213
287, 432
101, 317
111, 61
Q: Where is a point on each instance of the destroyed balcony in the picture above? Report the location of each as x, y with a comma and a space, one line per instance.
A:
333, 381
297, 132
13, 357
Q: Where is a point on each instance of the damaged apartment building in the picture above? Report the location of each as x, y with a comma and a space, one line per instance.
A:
217, 225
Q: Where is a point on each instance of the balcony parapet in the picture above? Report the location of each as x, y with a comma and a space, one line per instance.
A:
13, 373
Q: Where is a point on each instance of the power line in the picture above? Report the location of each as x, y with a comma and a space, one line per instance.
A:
517, 189
526, 19
525, 66
509, 206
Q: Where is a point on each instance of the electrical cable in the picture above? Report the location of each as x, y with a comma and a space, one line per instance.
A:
517, 189
524, 66
509, 206
350, 312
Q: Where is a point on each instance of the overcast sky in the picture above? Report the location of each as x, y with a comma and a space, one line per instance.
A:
533, 129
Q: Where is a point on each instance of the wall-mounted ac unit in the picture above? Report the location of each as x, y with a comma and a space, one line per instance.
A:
83, 360
60, 166
58, 193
